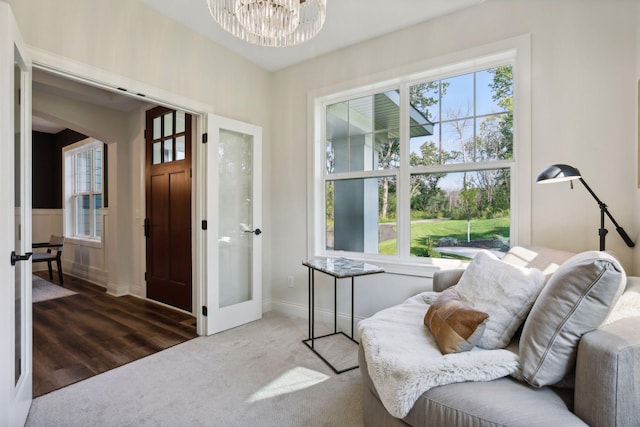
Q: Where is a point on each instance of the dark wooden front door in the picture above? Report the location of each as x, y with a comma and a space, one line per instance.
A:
168, 206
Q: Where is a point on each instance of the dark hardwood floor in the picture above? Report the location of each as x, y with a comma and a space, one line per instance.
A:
82, 335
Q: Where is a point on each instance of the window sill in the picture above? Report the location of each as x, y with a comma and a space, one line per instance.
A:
424, 267
79, 241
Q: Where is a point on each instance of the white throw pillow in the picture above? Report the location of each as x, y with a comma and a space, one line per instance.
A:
506, 292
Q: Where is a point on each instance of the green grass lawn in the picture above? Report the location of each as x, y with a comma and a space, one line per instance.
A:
481, 229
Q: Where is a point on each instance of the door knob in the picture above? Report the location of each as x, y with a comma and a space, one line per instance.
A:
257, 231
17, 258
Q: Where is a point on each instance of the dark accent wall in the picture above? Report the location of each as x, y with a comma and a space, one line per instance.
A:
47, 166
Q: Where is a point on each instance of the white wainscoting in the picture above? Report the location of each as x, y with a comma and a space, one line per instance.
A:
81, 258
45, 223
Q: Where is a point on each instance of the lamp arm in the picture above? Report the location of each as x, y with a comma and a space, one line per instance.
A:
603, 207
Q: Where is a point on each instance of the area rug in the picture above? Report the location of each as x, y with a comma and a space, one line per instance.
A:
43, 290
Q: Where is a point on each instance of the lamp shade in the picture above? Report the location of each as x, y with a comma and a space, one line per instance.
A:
558, 173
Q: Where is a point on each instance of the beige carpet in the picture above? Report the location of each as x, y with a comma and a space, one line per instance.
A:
41, 290
259, 374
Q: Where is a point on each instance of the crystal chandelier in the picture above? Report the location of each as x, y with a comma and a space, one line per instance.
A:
275, 23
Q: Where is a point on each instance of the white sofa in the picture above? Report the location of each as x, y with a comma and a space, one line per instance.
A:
607, 376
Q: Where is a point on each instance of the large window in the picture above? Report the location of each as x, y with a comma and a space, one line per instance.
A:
421, 168
83, 189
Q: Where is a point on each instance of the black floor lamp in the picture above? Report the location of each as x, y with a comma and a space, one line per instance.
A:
560, 173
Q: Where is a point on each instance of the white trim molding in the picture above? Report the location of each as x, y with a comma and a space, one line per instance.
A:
322, 316
516, 51
92, 76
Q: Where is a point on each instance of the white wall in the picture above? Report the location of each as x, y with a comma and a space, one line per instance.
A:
583, 113
46, 222
636, 125
90, 260
100, 123
584, 78
128, 39
80, 258
137, 202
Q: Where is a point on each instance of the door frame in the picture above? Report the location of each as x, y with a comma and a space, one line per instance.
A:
18, 395
223, 318
96, 77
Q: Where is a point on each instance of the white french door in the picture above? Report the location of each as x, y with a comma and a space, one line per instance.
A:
234, 213
15, 223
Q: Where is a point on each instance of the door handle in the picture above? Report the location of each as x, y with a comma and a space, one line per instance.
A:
17, 258
257, 231
146, 227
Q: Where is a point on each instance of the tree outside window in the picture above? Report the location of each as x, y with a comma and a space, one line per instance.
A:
459, 139
470, 208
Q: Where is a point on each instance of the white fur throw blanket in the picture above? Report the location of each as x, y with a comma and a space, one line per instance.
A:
404, 361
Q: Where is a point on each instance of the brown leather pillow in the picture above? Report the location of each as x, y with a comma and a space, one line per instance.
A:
455, 325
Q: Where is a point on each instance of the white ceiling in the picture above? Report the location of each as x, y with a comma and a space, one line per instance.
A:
348, 22
40, 124
48, 83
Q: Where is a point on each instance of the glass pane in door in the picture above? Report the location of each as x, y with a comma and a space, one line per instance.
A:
15, 224
235, 201
19, 297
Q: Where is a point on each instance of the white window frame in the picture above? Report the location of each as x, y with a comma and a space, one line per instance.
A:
514, 51
68, 165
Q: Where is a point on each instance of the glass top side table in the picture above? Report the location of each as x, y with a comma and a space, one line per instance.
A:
338, 268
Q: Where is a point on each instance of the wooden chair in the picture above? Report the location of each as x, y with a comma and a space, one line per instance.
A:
55, 244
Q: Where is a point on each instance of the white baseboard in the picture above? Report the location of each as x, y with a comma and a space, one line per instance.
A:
163, 304
81, 277
325, 317
118, 290
267, 305
85, 272
42, 266
139, 290
292, 309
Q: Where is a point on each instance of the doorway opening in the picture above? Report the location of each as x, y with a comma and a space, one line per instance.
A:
143, 341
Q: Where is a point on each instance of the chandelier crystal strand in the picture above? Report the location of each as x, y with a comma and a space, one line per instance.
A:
313, 13
224, 13
269, 18
311, 17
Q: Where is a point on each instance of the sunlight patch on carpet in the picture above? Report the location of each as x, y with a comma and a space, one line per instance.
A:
293, 380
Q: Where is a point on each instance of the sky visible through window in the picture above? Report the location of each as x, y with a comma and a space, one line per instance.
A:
458, 101
460, 158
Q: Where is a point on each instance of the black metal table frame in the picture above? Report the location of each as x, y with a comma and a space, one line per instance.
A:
309, 341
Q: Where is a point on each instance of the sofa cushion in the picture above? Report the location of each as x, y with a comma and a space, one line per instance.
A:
607, 376
455, 326
501, 402
628, 304
576, 300
442, 279
505, 292
544, 259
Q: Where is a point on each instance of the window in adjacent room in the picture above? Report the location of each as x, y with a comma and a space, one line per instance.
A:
83, 189
420, 168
